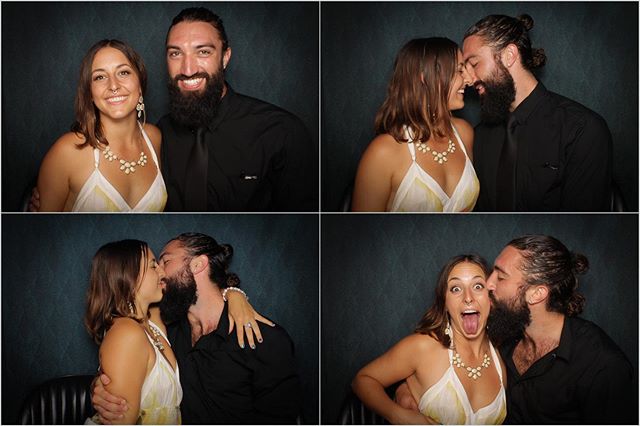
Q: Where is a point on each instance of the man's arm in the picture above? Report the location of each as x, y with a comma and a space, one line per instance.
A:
296, 170
276, 387
587, 179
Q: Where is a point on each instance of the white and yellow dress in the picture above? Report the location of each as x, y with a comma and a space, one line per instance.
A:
447, 403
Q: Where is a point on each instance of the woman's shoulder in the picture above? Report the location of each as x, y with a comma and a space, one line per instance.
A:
68, 143
384, 148
422, 343
154, 135
125, 331
463, 127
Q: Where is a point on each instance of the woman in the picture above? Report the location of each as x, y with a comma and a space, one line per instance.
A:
109, 161
451, 367
420, 159
134, 351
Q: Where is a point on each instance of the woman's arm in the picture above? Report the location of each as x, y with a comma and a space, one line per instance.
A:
396, 364
125, 357
242, 313
372, 187
53, 178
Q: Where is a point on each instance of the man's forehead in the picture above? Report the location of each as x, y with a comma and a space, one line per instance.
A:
172, 248
508, 259
472, 46
198, 30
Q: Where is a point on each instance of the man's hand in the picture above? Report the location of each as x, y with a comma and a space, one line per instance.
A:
404, 398
108, 406
34, 201
244, 319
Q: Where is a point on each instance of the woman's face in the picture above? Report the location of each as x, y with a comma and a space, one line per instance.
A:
460, 80
467, 300
150, 285
115, 87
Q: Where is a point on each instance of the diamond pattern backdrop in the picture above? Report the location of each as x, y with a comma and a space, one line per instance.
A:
275, 58
592, 57
379, 273
45, 270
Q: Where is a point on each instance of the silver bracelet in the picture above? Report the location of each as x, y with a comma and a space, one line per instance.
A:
224, 292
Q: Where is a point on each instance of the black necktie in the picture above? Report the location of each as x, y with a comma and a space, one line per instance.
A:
506, 183
196, 176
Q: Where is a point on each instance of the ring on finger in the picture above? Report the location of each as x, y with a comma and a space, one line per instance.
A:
248, 325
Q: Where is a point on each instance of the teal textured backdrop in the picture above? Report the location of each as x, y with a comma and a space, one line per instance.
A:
379, 274
592, 58
274, 58
46, 261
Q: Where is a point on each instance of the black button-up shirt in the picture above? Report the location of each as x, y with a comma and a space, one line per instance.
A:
224, 384
563, 156
260, 158
585, 380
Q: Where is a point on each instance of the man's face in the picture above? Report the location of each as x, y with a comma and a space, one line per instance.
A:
491, 79
510, 313
194, 53
196, 62
180, 285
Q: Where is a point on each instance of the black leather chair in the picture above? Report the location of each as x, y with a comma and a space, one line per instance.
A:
616, 201
62, 401
345, 201
353, 412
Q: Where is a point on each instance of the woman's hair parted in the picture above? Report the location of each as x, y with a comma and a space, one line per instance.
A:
87, 117
498, 31
418, 93
435, 320
115, 274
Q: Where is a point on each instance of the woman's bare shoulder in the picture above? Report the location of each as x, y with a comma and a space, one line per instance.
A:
423, 343
154, 135
124, 331
69, 143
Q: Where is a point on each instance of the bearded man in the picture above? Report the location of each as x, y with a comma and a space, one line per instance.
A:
224, 151
534, 150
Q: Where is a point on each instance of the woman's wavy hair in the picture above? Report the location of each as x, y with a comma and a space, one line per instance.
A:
418, 93
435, 320
87, 120
115, 276
545, 260
500, 30
219, 256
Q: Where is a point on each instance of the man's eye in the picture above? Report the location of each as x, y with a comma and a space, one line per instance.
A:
173, 54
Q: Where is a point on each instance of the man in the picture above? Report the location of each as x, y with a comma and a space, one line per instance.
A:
224, 151
222, 382
560, 368
534, 150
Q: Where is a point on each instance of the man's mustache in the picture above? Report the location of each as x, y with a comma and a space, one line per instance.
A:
189, 77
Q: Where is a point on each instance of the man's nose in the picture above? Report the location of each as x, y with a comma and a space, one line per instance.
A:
469, 74
491, 282
189, 65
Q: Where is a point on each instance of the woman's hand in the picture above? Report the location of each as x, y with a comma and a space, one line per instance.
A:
245, 319
410, 417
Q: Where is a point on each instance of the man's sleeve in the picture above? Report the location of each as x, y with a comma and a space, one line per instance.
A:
587, 179
276, 385
297, 170
612, 396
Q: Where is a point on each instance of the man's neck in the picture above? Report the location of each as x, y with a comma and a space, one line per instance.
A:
545, 326
525, 82
205, 314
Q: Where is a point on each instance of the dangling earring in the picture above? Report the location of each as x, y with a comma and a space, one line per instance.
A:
140, 109
133, 314
447, 330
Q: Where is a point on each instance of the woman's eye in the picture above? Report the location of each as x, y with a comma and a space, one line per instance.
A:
125, 72
455, 289
98, 77
478, 286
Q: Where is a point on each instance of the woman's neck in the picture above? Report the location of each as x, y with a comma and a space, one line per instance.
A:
121, 134
475, 348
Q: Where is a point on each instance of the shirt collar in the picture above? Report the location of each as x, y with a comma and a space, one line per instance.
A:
566, 340
529, 104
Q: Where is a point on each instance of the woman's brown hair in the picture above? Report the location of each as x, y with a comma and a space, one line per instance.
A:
418, 93
115, 274
435, 320
87, 122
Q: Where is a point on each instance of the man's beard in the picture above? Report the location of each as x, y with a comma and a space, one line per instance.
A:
179, 294
196, 109
499, 94
507, 321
